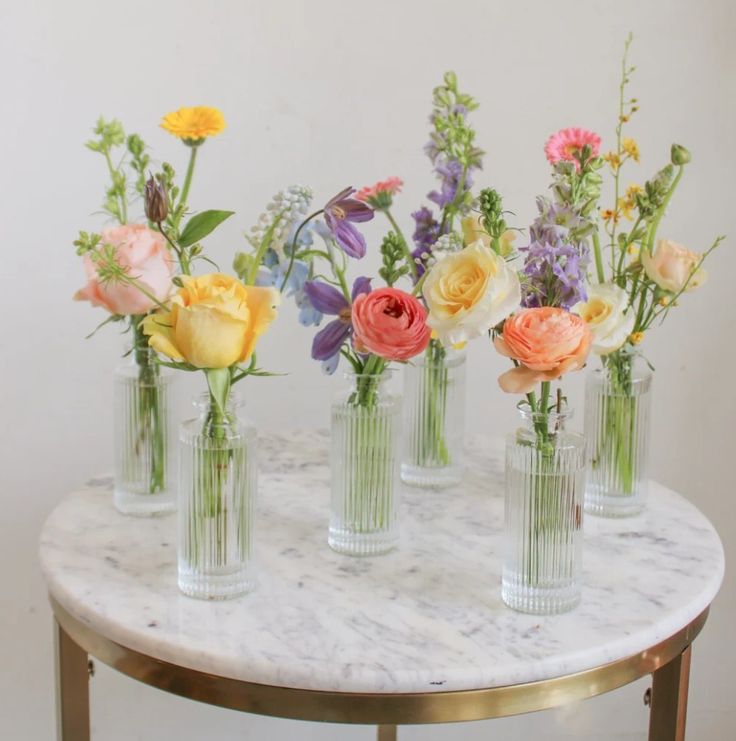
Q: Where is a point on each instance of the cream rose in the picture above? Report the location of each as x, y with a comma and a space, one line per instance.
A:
605, 314
671, 265
468, 292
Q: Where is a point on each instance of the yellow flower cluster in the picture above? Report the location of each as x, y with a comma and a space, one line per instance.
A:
625, 206
629, 150
194, 125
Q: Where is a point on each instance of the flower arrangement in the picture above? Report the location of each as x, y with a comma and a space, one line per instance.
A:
639, 278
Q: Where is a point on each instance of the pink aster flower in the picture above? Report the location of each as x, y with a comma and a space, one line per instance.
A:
564, 144
380, 195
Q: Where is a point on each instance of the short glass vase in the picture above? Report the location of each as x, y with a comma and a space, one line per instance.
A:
617, 420
217, 492
364, 458
545, 483
434, 418
143, 436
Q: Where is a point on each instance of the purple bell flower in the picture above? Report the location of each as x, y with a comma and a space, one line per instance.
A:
327, 299
340, 214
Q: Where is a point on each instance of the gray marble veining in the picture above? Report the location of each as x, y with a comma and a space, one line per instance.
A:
426, 617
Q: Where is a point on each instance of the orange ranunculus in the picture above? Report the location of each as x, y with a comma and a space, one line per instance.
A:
547, 342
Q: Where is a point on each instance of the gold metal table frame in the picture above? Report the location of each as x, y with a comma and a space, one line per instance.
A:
668, 662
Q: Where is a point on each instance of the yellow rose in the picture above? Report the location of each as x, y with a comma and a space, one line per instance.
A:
468, 292
671, 265
474, 232
214, 321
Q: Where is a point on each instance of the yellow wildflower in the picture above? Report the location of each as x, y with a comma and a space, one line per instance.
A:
635, 338
194, 125
664, 300
631, 148
633, 250
626, 207
613, 160
608, 214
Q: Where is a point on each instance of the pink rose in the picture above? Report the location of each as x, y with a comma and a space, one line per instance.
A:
671, 265
547, 342
145, 254
390, 323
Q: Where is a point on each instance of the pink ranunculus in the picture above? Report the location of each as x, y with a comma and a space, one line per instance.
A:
390, 323
547, 342
563, 144
147, 258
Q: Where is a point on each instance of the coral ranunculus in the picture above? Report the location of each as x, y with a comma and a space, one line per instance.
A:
194, 125
547, 342
390, 323
214, 321
145, 256
564, 144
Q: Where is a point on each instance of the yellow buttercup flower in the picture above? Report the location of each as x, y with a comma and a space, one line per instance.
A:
631, 148
636, 338
214, 321
613, 160
194, 125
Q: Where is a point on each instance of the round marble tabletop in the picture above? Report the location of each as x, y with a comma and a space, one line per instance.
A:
425, 618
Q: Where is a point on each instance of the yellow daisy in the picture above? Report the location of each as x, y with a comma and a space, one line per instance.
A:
194, 125
631, 148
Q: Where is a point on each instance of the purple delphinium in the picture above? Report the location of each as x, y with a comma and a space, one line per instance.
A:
555, 274
329, 300
555, 221
427, 231
449, 173
340, 212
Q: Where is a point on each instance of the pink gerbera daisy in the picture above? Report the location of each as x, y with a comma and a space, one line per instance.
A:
564, 144
380, 195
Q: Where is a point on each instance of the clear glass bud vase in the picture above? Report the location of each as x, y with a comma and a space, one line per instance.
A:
366, 421
434, 418
545, 483
617, 411
217, 491
143, 435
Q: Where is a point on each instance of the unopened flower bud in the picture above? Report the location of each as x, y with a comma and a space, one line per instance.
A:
679, 155
155, 201
635, 338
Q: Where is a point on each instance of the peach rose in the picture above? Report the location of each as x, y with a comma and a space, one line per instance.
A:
547, 342
390, 323
145, 254
671, 265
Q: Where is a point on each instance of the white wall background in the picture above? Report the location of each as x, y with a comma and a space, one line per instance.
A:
334, 93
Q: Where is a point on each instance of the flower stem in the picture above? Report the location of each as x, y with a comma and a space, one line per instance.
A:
407, 252
294, 243
598, 258
187, 184
655, 223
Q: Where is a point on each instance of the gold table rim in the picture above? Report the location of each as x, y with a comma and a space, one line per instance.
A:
375, 708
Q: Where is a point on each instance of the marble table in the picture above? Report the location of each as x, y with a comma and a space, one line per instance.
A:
416, 636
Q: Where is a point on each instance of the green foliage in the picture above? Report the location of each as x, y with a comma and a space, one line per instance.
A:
490, 204
243, 264
86, 242
652, 198
199, 226
139, 161
393, 254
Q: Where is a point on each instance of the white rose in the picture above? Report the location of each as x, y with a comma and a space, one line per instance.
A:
605, 313
468, 292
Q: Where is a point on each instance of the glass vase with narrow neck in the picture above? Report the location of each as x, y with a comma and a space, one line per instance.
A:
364, 457
434, 418
543, 539
617, 419
143, 434
217, 490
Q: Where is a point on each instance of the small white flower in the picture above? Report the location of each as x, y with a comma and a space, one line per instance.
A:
289, 206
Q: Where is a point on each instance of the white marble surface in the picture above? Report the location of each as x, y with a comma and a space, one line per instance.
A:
427, 617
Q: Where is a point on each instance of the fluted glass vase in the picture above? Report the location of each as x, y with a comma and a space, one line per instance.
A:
217, 491
142, 435
434, 418
617, 412
366, 420
545, 482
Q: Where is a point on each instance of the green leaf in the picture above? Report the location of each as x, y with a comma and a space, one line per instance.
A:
218, 380
199, 226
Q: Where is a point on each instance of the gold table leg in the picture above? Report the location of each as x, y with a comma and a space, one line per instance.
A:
72, 688
386, 733
669, 699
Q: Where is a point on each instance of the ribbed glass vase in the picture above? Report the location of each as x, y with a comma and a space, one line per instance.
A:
545, 483
366, 421
142, 435
217, 491
617, 417
434, 418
